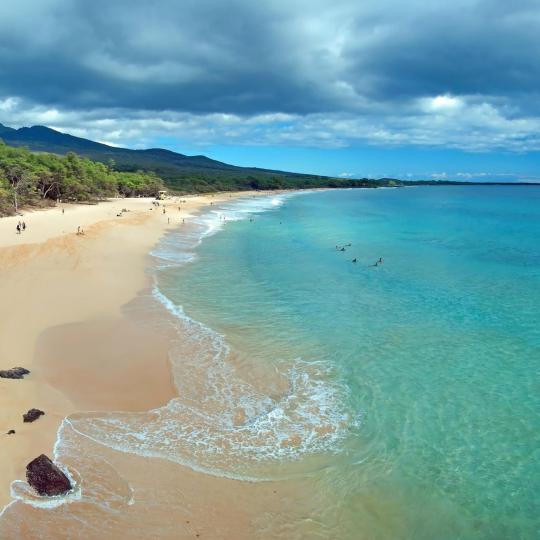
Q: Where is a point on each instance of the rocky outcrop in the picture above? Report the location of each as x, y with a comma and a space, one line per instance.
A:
14, 373
32, 414
46, 478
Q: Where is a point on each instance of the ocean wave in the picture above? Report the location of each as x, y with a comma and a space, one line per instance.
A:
219, 423
179, 247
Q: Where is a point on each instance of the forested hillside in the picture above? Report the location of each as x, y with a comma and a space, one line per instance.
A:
185, 174
39, 179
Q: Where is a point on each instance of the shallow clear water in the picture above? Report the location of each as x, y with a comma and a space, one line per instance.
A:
423, 371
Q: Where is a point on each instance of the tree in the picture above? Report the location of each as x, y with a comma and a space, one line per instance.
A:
19, 181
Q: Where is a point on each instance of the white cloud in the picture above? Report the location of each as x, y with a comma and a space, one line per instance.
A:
442, 103
479, 126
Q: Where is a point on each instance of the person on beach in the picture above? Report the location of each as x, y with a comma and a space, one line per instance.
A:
62, 210
23, 226
18, 228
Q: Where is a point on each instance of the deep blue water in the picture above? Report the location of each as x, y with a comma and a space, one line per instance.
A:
430, 361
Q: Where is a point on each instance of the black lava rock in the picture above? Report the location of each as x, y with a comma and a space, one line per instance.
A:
46, 478
32, 414
14, 373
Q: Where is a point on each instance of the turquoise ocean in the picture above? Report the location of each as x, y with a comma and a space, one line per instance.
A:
408, 392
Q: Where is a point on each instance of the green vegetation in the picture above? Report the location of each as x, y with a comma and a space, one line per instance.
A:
187, 180
39, 179
184, 174
55, 172
181, 173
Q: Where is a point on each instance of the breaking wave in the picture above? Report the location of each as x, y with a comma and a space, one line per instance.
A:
219, 423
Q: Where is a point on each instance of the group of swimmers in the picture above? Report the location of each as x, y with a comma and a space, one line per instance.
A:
355, 260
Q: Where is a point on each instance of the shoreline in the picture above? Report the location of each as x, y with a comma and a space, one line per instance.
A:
64, 317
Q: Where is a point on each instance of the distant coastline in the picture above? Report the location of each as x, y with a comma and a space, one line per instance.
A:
183, 174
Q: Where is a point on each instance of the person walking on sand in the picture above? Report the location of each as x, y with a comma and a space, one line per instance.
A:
18, 228
23, 226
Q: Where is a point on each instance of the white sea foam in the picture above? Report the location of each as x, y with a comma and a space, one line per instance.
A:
240, 209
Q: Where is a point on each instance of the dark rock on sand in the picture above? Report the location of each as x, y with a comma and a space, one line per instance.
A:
14, 373
32, 414
11, 432
46, 478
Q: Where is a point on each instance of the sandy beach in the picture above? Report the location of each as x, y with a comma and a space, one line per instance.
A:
65, 292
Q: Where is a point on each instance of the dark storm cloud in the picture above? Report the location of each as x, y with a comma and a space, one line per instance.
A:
398, 69
243, 57
191, 56
463, 47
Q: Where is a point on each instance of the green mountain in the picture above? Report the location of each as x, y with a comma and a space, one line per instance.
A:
5, 129
180, 172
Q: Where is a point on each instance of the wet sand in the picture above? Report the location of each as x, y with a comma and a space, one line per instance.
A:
124, 366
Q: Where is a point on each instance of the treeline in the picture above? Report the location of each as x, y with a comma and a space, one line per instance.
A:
198, 180
39, 179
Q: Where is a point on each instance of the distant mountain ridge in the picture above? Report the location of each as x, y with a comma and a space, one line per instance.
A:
189, 173
42, 138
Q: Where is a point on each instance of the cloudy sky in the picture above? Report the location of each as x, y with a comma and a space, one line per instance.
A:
418, 88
